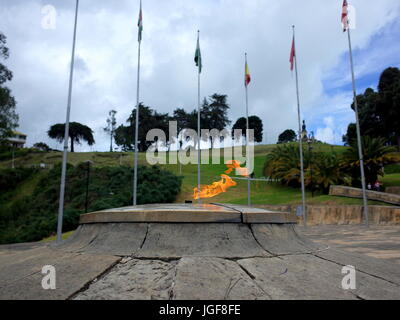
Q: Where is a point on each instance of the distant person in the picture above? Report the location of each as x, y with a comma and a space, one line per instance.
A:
377, 186
369, 187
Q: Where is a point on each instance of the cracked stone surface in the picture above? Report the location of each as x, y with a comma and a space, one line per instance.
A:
282, 239
186, 279
21, 272
170, 261
309, 277
122, 239
382, 242
228, 240
133, 279
214, 279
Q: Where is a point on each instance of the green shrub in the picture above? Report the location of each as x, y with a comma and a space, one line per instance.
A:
10, 178
19, 208
71, 219
326, 169
6, 153
35, 217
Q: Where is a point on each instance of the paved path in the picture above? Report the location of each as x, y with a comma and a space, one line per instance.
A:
382, 242
214, 260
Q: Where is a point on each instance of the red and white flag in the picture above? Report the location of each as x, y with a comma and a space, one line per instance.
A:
292, 55
345, 16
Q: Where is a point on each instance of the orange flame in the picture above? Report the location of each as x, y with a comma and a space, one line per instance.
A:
209, 191
235, 165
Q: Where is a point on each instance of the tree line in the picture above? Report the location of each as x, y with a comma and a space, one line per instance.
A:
379, 114
379, 111
213, 115
8, 114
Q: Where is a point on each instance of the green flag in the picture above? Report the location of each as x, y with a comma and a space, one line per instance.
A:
197, 56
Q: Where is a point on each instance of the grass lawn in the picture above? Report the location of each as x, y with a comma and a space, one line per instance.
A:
98, 158
64, 236
391, 180
262, 192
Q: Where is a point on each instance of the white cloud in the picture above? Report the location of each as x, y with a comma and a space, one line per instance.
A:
107, 58
330, 133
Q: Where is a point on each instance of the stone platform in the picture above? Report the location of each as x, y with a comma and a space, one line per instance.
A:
188, 213
174, 252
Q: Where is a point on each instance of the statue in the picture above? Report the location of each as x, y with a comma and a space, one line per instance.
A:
304, 133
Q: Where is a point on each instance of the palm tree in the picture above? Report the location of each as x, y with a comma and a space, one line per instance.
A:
376, 156
77, 132
326, 171
283, 163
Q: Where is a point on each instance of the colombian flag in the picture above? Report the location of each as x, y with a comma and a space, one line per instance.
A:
247, 77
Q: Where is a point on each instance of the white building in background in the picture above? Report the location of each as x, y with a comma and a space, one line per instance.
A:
17, 140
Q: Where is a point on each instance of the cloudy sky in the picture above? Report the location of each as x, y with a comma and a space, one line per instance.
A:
106, 59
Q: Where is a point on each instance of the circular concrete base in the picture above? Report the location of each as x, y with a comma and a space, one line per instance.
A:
192, 252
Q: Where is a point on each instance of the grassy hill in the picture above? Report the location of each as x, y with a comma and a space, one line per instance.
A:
29, 205
262, 192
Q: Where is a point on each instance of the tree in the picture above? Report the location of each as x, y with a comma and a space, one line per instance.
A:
351, 135
376, 156
184, 121
371, 121
77, 132
388, 77
283, 163
322, 170
8, 115
42, 146
388, 104
255, 123
111, 126
124, 137
188, 120
148, 119
379, 112
214, 114
287, 136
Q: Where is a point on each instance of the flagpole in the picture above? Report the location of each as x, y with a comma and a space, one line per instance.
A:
360, 151
135, 174
303, 193
198, 127
247, 142
66, 134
